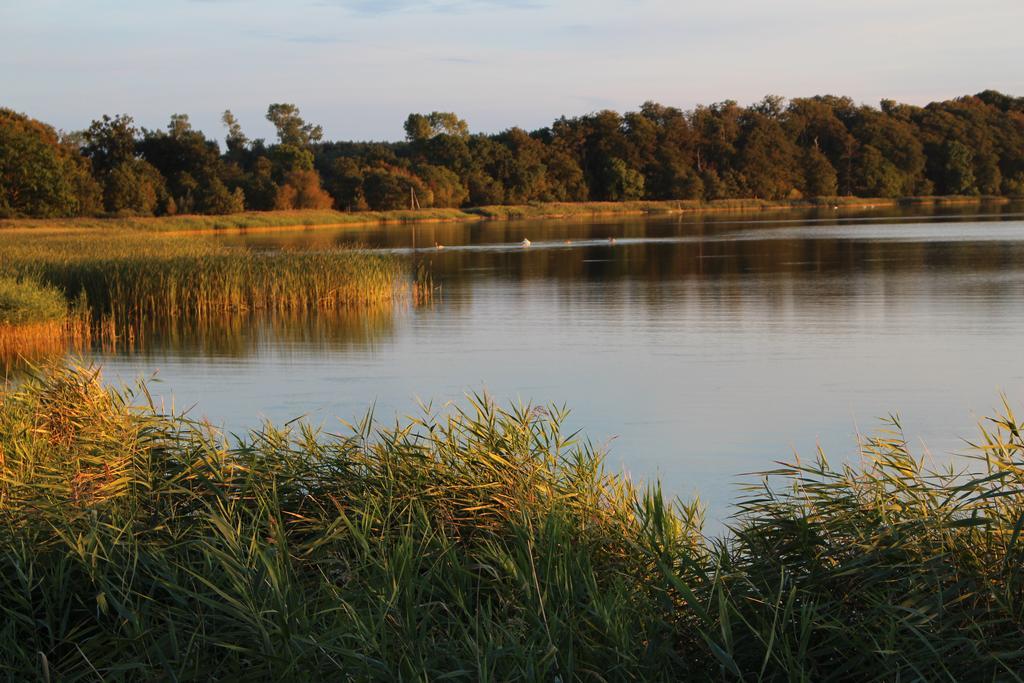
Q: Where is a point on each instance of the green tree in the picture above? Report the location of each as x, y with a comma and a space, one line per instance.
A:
820, 178
291, 128
450, 151
624, 183
988, 176
134, 187
192, 166
259, 186
235, 139
444, 185
345, 184
565, 181
522, 171
218, 199
819, 123
1013, 187
109, 142
958, 170
422, 127
130, 185
41, 174
767, 158
897, 140
717, 131
678, 180
288, 158
877, 176
390, 188
663, 145
484, 190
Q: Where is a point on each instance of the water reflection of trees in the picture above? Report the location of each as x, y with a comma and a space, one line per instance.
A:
427, 235
707, 256
774, 260
805, 272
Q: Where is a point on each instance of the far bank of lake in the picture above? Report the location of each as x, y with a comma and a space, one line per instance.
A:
254, 221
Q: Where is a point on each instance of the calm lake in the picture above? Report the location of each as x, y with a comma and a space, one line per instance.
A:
695, 349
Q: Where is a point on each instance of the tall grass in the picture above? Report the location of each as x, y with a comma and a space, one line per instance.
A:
482, 545
132, 275
122, 286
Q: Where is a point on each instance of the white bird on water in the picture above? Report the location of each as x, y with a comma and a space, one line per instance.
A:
438, 246
526, 242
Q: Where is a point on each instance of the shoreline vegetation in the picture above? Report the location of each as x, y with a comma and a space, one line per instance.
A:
309, 219
35, 319
64, 290
484, 544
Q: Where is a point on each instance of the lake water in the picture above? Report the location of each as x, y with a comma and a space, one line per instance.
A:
695, 349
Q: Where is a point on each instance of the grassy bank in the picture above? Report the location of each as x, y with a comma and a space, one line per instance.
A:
482, 546
256, 220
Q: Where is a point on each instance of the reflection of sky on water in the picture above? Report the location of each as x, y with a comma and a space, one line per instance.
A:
694, 355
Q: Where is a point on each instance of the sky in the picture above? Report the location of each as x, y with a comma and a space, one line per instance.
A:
359, 67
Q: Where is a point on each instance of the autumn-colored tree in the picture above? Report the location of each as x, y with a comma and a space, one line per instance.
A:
301, 190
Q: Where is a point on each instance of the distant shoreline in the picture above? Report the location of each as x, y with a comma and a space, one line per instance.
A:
259, 221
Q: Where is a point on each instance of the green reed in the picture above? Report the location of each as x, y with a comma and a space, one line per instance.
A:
135, 275
484, 544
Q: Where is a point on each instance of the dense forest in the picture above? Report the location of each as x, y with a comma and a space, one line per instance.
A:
807, 147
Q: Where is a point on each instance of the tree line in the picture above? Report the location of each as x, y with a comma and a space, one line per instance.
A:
819, 146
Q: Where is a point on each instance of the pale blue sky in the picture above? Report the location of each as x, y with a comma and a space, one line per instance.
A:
358, 67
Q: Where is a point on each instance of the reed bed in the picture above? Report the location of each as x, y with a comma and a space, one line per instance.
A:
482, 544
30, 341
133, 276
